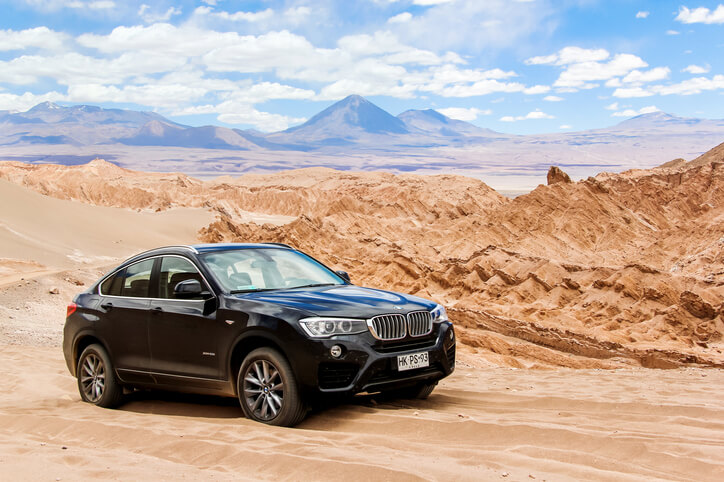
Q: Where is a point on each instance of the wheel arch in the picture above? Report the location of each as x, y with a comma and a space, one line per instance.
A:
245, 345
81, 343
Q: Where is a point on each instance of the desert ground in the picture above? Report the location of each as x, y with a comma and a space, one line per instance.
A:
564, 300
489, 423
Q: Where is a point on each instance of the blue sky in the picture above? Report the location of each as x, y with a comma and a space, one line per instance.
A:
518, 66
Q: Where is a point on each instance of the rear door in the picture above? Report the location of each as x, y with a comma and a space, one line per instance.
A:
124, 321
183, 333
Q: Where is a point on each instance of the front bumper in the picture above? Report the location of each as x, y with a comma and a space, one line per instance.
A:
370, 365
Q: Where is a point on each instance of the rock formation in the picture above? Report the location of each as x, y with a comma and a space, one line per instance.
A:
618, 269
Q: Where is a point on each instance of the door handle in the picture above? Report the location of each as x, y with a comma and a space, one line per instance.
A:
107, 306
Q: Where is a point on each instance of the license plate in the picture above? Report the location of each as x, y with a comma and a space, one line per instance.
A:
412, 361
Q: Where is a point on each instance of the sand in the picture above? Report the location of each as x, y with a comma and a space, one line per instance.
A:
479, 424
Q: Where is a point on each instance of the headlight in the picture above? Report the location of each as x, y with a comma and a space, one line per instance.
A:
324, 327
439, 314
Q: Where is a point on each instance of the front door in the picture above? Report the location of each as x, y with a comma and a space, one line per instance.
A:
183, 333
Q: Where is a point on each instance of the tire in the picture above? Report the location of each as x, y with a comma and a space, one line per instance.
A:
268, 391
97, 381
420, 391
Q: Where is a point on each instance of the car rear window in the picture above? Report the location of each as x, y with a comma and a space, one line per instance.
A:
133, 281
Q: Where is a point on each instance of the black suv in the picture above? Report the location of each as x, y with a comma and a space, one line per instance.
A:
263, 322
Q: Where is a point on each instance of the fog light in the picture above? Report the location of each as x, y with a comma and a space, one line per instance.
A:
452, 335
336, 351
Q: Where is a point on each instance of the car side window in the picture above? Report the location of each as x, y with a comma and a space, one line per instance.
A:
173, 271
137, 279
113, 284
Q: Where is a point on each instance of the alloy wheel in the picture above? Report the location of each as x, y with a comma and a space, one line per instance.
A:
93, 377
263, 390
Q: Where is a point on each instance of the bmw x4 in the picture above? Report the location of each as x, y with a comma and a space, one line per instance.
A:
262, 322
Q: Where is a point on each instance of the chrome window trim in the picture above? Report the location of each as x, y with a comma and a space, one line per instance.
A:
113, 273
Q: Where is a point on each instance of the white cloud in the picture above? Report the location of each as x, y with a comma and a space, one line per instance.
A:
368, 84
672, 32
159, 38
542, 60
73, 68
464, 114
144, 11
245, 16
537, 89
536, 114
614, 82
482, 87
570, 55
23, 102
642, 14
263, 91
692, 86
400, 18
626, 93
233, 112
613, 106
701, 15
451, 74
102, 4
697, 69
474, 25
578, 75
157, 95
633, 113
658, 73
297, 15
552, 98
565, 126
40, 37
366, 64
94, 5
696, 85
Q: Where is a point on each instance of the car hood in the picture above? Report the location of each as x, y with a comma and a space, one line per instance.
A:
343, 301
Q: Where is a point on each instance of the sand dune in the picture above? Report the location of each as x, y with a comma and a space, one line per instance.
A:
39, 234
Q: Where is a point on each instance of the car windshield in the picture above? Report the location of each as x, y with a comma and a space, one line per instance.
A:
261, 269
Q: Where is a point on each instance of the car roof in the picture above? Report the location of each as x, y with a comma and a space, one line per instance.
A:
202, 248
206, 248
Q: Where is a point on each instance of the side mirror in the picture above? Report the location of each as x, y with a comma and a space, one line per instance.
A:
343, 275
188, 289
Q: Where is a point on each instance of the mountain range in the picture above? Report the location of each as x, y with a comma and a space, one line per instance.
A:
351, 121
352, 134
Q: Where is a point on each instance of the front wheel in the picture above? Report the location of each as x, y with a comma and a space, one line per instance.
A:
96, 380
268, 391
420, 391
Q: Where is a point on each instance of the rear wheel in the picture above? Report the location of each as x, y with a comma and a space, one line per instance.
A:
97, 382
268, 391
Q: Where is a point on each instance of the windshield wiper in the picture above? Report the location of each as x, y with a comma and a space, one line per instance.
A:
314, 285
252, 290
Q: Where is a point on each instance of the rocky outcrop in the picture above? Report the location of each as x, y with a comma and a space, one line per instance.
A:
556, 175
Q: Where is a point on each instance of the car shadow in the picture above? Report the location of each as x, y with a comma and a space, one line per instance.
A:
323, 412
181, 404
